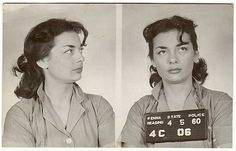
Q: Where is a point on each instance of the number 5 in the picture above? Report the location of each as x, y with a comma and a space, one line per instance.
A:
181, 121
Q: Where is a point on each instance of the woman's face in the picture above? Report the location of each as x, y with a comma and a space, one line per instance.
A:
173, 59
65, 61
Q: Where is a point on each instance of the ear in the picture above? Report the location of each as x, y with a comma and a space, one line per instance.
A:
196, 57
153, 63
43, 63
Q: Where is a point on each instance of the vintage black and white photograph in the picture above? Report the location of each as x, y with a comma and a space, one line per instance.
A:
177, 75
62, 94
117, 75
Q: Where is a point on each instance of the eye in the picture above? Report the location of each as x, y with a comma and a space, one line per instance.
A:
68, 51
183, 49
161, 52
81, 49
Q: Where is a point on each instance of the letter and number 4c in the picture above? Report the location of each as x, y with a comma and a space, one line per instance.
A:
161, 133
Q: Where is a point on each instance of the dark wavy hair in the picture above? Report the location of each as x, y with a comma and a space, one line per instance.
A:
182, 25
37, 45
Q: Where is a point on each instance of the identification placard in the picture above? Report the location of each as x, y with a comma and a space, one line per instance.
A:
186, 125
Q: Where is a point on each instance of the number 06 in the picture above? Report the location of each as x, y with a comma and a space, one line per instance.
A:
182, 132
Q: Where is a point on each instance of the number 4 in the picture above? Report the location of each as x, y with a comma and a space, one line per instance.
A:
153, 134
169, 123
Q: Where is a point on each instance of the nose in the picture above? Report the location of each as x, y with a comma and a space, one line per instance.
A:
173, 58
78, 56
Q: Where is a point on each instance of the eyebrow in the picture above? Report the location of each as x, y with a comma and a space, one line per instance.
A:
71, 46
182, 43
161, 47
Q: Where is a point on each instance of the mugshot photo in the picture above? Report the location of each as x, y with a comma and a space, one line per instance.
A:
177, 69
58, 75
117, 75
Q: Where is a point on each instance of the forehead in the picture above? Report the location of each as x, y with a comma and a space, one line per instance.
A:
67, 38
170, 37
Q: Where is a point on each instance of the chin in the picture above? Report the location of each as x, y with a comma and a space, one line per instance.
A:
175, 80
78, 78
74, 79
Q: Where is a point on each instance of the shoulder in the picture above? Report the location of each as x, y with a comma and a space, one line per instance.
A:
92, 100
24, 106
216, 95
21, 112
97, 101
145, 100
100, 106
216, 99
143, 104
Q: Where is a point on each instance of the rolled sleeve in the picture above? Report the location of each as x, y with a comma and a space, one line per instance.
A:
106, 124
132, 133
17, 129
222, 124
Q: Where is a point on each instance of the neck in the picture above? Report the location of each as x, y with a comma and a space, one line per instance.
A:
59, 93
176, 94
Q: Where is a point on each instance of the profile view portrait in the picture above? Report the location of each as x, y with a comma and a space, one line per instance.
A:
177, 74
53, 110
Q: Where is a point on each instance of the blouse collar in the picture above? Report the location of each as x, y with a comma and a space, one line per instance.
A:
156, 91
77, 91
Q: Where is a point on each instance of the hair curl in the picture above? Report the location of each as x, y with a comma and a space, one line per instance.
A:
182, 25
38, 44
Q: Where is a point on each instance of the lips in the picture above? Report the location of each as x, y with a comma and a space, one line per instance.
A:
80, 69
174, 71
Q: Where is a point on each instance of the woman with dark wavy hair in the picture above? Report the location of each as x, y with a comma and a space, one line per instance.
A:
54, 111
177, 75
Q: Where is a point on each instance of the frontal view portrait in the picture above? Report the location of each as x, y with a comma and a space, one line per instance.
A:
179, 112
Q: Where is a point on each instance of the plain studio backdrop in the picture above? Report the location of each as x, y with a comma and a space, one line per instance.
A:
215, 41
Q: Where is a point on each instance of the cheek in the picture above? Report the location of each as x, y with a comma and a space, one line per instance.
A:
159, 62
189, 63
161, 67
61, 63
